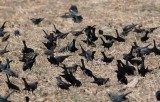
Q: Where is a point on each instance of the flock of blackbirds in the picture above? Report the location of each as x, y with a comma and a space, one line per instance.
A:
132, 61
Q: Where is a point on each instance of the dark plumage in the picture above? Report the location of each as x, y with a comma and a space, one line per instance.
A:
5, 38
30, 86
61, 84
26, 49
106, 59
158, 95
85, 70
100, 81
145, 37
11, 85
107, 44
36, 21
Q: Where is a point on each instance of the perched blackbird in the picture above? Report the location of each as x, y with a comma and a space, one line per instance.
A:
72, 46
145, 37
28, 56
2, 32
100, 81
30, 86
118, 97
107, 44
129, 55
142, 70
49, 45
106, 59
11, 85
121, 77
118, 38
129, 69
3, 51
90, 32
85, 70
17, 33
109, 37
158, 95
155, 49
127, 29
36, 21
100, 32
89, 42
26, 49
27, 99
70, 69
29, 63
71, 79
5, 98
61, 84
89, 55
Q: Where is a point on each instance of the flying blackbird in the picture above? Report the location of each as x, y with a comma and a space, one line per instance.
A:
85, 70
61, 84
107, 44
30, 86
27, 99
3, 51
36, 21
26, 49
77, 19
69, 69
118, 38
29, 63
68, 76
5, 38
142, 70
100, 81
73, 11
17, 33
5, 98
118, 97
145, 37
11, 85
106, 59
155, 49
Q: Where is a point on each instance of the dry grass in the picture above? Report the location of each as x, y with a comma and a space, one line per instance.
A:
107, 15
